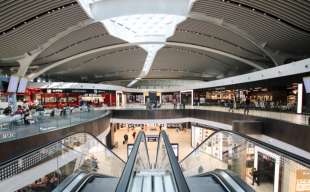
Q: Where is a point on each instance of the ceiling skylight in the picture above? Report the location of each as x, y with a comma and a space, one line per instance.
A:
146, 22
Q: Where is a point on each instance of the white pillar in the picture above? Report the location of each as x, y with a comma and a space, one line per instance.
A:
299, 98
124, 100
25, 63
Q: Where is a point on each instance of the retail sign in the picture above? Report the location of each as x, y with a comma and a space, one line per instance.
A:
56, 90
303, 180
152, 138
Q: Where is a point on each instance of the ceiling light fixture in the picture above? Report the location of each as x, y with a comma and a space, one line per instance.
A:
146, 22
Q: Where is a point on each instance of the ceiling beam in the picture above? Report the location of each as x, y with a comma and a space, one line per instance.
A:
122, 45
234, 29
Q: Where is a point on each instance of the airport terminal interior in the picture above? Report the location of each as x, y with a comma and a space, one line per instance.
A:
154, 95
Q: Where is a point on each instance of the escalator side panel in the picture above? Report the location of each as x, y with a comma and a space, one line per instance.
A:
101, 184
200, 184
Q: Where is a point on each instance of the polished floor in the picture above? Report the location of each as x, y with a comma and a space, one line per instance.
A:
183, 138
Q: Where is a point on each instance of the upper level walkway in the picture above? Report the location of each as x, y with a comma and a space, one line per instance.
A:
17, 128
300, 119
42, 124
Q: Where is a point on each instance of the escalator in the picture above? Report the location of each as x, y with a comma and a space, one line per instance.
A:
230, 161
166, 175
64, 165
140, 174
81, 162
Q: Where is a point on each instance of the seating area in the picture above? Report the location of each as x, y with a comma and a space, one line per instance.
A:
22, 125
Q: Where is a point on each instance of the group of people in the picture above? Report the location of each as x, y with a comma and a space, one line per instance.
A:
24, 111
126, 137
246, 105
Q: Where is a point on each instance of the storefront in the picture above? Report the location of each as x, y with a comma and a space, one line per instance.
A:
152, 97
58, 98
134, 98
199, 134
281, 94
170, 98
187, 97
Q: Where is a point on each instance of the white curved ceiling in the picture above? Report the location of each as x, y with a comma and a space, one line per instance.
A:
279, 28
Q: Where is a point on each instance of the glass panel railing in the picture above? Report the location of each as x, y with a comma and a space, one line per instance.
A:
36, 122
46, 168
263, 167
166, 161
137, 162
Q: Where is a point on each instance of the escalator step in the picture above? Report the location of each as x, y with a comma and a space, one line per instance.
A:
158, 184
147, 183
168, 183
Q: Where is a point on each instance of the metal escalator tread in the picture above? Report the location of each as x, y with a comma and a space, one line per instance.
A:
200, 184
158, 183
137, 184
147, 183
101, 184
168, 183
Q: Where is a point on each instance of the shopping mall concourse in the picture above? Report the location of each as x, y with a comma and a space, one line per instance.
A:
154, 95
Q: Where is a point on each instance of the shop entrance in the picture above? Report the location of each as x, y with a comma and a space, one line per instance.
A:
266, 167
187, 97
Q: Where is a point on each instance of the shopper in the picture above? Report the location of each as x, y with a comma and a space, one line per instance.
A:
125, 139
231, 105
27, 117
134, 134
177, 129
7, 111
247, 106
255, 176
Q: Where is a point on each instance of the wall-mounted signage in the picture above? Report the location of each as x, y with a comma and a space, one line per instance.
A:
152, 138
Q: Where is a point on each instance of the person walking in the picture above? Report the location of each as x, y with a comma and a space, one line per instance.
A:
125, 139
134, 135
231, 105
255, 176
247, 106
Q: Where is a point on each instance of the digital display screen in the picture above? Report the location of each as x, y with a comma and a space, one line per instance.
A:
22, 85
307, 84
13, 83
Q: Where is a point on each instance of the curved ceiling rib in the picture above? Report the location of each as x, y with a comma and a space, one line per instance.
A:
58, 63
52, 40
197, 16
269, 12
46, 12
235, 30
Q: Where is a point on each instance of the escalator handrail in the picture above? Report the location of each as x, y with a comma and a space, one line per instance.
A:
53, 142
297, 158
176, 169
125, 178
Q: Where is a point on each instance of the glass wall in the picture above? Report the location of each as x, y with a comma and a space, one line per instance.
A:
262, 168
